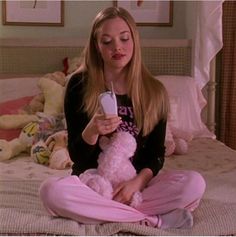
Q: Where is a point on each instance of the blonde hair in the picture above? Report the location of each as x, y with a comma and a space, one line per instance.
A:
148, 95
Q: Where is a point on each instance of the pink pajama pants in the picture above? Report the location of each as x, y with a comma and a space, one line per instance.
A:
69, 197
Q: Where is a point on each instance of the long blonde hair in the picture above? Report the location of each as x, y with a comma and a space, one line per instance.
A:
149, 97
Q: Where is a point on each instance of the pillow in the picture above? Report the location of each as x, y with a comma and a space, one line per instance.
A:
16, 88
12, 107
186, 104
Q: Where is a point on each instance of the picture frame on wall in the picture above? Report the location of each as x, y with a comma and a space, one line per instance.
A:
33, 13
149, 13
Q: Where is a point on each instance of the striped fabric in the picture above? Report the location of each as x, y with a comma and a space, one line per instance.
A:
227, 85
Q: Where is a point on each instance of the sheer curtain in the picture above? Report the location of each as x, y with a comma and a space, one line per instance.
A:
208, 38
227, 81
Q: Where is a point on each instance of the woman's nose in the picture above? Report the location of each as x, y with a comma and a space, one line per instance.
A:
117, 45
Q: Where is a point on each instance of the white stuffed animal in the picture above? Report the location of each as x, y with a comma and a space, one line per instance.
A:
9, 149
114, 166
50, 102
52, 86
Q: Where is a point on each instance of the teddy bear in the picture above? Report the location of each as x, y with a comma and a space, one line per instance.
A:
114, 166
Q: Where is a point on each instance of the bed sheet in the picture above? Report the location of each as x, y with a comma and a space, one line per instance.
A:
21, 177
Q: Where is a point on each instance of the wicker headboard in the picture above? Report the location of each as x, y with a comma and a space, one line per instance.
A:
40, 56
33, 56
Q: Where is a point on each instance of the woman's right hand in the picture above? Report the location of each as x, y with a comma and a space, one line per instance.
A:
100, 125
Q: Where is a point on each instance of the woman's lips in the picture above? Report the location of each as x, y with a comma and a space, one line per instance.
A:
118, 56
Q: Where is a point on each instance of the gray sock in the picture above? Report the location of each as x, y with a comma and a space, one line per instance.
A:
179, 218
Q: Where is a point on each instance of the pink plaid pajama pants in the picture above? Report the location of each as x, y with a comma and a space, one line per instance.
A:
69, 197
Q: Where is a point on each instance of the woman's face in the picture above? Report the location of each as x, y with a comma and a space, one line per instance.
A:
115, 43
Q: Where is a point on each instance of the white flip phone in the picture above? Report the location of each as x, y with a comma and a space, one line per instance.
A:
108, 103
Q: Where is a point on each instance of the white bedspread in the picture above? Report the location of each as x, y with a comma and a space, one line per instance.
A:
21, 177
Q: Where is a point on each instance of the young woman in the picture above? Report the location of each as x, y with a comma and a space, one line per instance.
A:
113, 54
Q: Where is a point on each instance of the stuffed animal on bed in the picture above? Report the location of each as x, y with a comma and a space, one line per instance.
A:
52, 152
50, 102
9, 149
35, 125
33, 139
32, 132
114, 166
176, 142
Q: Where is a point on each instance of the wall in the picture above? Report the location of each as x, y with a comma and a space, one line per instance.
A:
79, 16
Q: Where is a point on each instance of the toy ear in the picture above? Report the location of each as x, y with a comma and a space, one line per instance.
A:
103, 142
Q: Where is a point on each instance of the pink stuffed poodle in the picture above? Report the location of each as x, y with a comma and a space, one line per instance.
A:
114, 166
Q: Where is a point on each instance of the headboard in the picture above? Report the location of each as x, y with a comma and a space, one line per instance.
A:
34, 56
40, 56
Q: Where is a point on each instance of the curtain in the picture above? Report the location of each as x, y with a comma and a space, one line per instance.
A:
208, 38
227, 81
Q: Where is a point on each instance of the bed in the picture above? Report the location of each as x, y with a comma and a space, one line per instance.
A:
21, 212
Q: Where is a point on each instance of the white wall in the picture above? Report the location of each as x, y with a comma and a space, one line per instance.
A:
79, 16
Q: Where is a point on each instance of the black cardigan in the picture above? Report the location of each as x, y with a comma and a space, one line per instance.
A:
150, 149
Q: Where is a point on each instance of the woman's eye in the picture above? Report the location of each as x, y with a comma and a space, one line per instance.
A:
124, 39
106, 42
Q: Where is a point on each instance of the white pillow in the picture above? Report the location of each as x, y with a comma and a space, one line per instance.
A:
188, 102
14, 88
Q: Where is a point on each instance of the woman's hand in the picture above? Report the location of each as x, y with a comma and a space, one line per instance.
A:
105, 124
124, 191
100, 125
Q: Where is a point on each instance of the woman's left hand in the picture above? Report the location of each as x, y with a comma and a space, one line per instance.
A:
124, 191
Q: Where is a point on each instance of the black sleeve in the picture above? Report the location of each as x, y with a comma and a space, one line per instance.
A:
151, 152
82, 154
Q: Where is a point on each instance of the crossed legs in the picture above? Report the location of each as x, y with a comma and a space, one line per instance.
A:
167, 192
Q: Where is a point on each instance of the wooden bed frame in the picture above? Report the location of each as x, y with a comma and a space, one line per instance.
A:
22, 57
